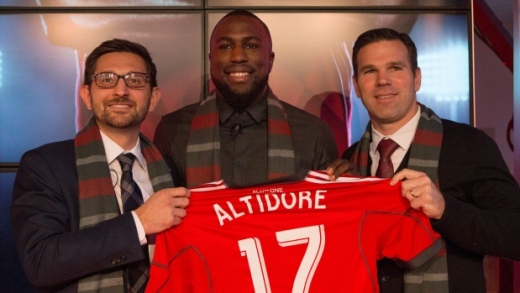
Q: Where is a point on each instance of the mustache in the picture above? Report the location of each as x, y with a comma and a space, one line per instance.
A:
124, 99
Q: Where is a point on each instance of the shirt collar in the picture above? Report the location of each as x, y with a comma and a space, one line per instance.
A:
257, 110
403, 137
113, 150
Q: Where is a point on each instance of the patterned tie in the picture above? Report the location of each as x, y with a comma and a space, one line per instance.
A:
386, 148
132, 198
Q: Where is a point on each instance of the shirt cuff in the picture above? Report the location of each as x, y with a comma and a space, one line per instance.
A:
140, 229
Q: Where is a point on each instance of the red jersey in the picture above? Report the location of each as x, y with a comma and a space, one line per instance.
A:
308, 236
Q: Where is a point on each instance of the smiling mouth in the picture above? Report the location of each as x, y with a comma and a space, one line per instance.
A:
239, 74
239, 77
387, 96
120, 107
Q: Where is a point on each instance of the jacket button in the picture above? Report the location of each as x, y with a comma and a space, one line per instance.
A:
116, 261
385, 278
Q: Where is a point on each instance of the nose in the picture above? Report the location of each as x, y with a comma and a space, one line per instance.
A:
121, 88
238, 54
383, 78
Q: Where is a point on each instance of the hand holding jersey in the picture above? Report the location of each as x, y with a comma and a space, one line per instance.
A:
421, 192
164, 209
417, 187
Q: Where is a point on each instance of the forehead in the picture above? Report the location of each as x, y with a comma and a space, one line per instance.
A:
120, 62
393, 51
239, 27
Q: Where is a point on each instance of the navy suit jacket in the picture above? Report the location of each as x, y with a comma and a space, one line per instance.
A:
482, 212
54, 253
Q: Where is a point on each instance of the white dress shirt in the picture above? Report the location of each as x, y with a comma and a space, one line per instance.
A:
403, 137
140, 176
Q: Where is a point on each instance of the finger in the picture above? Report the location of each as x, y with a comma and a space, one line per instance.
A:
414, 195
404, 175
179, 192
181, 213
399, 176
181, 202
333, 166
176, 220
340, 166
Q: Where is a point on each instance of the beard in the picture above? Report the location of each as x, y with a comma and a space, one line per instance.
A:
240, 100
111, 120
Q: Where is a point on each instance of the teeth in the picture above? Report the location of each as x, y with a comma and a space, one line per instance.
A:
239, 74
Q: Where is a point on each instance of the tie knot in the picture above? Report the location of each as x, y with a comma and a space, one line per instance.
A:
126, 161
386, 147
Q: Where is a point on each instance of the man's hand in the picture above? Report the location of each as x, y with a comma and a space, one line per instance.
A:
421, 192
341, 166
163, 209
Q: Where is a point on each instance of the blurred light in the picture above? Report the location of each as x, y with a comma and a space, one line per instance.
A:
1, 68
445, 73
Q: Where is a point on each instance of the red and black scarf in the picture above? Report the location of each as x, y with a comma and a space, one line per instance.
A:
424, 156
97, 199
424, 151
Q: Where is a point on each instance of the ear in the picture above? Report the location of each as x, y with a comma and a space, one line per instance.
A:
356, 86
417, 78
84, 93
271, 61
154, 98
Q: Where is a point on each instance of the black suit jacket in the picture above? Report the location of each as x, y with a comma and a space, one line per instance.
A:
482, 212
54, 253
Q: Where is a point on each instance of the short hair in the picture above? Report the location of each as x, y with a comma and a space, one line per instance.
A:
384, 34
242, 12
120, 46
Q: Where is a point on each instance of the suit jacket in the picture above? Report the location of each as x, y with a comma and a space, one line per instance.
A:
482, 209
54, 253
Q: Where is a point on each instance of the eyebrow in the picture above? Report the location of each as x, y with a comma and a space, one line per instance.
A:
389, 64
231, 40
398, 63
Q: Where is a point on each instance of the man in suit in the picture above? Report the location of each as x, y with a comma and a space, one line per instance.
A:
242, 133
453, 172
77, 211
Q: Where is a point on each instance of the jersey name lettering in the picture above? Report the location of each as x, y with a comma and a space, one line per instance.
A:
269, 202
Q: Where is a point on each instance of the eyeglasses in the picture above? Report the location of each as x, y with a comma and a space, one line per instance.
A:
134, 80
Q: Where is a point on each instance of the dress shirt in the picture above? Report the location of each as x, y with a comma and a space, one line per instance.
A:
140, 176
403, 137
241, 160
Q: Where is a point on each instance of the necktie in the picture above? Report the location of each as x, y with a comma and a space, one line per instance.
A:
386, 148
132, 198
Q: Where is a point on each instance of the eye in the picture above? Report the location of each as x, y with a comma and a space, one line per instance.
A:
251, 46
106, 77
225, 46
136, 79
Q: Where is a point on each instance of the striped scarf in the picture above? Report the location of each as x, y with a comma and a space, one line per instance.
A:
97, 200
424, 156
203, 150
